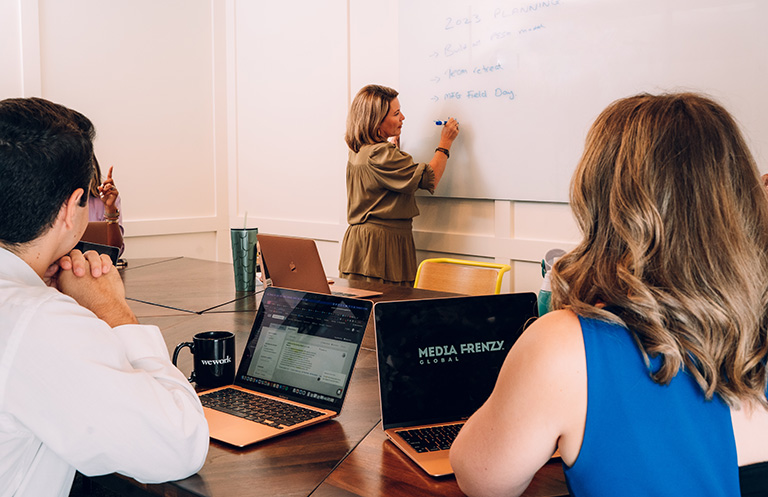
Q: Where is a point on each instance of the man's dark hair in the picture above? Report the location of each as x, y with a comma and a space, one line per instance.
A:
45, 155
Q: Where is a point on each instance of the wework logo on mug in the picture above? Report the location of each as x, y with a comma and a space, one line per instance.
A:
212, 352
214, 362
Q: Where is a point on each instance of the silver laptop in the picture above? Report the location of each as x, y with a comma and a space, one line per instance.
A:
289, 262
438, 361
297, 364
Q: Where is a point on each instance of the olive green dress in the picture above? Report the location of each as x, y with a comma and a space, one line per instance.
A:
378, 244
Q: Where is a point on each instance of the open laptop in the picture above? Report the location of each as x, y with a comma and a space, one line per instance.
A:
112, 252
96, 237
438, 361
289, 262
300, 353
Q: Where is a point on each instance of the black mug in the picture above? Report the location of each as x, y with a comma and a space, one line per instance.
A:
214, 358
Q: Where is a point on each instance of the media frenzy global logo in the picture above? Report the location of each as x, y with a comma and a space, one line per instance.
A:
448, 353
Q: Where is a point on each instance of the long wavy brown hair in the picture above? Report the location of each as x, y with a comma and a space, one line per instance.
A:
674, 218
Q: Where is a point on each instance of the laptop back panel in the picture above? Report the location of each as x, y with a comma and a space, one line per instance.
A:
295, 263
438, 359
302, 348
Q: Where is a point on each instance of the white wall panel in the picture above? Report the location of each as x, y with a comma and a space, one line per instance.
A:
10, 49
198, 245
455, 215
291, 76
142, 71
545, 221
374, 44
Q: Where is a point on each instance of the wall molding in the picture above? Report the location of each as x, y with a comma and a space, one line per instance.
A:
31, 71
465, 245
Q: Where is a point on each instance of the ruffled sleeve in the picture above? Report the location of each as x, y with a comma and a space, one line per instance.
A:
396, 170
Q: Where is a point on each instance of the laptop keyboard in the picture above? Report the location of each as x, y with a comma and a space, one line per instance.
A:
432, 438
256, 408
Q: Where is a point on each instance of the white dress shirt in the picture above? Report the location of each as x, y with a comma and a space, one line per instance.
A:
76, 394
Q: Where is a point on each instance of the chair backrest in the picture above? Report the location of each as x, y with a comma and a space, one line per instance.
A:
98, 232
460, 276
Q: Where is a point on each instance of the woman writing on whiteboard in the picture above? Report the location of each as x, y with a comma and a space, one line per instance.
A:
650, 379
381, 183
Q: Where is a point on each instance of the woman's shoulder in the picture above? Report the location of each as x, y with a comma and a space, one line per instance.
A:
551, 350
378, 146
551, 355
383, 153
556, 325
375, 148
552, 347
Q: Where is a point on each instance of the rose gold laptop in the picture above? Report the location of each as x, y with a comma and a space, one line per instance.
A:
295, 369
438, 360
289, 262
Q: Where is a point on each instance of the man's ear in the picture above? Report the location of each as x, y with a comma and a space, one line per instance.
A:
71, 206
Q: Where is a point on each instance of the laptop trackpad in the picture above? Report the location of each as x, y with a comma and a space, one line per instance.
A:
237, 431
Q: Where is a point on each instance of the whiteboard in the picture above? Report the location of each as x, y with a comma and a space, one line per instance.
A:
527, 79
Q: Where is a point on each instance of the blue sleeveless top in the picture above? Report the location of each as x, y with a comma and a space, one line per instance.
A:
642, 438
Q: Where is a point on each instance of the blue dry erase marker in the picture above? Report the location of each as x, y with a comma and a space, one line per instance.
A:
441, 123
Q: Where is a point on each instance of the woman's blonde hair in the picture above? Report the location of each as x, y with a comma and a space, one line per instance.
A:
368, 110
675, 224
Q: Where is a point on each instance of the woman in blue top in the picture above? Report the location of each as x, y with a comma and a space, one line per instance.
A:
650, 379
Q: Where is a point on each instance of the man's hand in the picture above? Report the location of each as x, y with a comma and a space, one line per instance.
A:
104, 294
78, 263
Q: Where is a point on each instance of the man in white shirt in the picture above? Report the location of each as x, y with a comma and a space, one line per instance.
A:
83, 386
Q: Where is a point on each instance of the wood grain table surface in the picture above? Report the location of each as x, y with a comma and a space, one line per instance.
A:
347, 456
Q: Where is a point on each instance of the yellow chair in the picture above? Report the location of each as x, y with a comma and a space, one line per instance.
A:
460, 276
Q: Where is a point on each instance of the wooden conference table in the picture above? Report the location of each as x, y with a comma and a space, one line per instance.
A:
348, 456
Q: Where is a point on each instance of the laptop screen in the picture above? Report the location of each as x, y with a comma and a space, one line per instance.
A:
303, 346
439, 359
